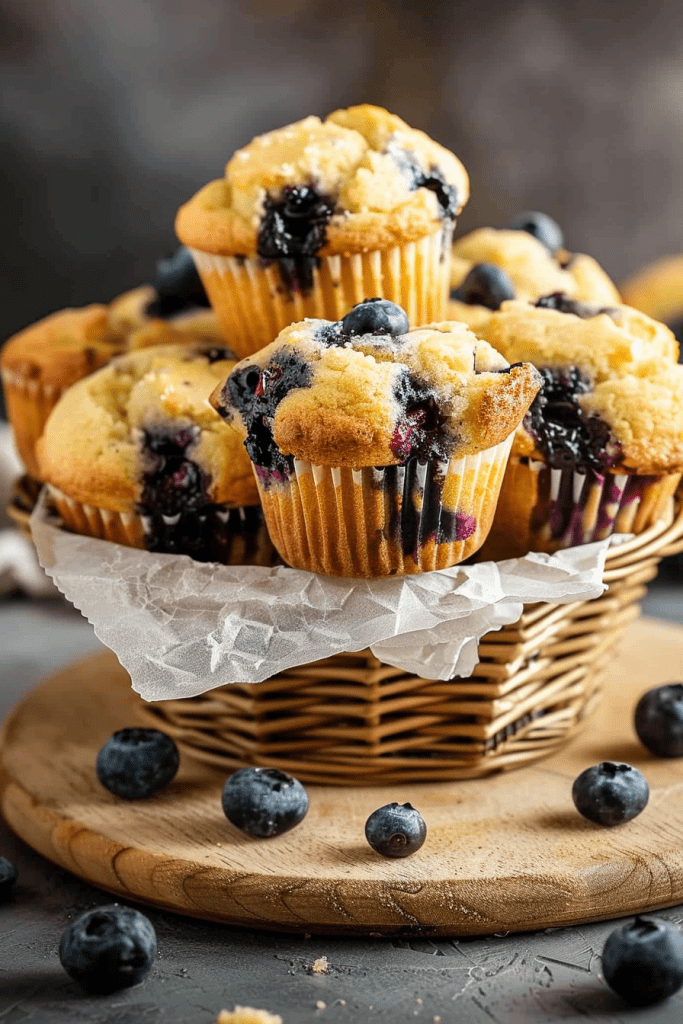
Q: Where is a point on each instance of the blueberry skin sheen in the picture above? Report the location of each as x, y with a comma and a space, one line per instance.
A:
610, 793
395, 830
485, 285
108, 948
135, 763
264, 802
376, 316
659, 720
643, 961
8, 876
541, 226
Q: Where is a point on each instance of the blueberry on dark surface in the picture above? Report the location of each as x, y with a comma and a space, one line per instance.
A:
178, 285
395, 830
567, 438
643, 960
541, 226
659, 720
292, 232
264, 802
135, 763
108, 948
485, 285
8, 876
376, 316
610, 793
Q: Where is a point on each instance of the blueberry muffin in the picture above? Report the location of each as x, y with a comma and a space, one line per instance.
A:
39, 363
135, 454
524, 261
315, 217
378, 450
658, 291
601, 448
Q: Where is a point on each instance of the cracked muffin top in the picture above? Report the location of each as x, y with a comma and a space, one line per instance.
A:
612, 395
492, 265
367, 391
360, 180
142, 430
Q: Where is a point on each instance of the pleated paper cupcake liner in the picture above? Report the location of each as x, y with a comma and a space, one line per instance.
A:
29, 403
254, 302
219, 533
387, 521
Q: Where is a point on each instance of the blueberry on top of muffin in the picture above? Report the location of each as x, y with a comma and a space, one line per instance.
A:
360, 392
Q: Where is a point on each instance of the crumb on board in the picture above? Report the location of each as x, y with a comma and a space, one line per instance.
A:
248, 1015
320, 1005
320, 966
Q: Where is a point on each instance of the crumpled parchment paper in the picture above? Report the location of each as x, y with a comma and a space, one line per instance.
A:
181, 627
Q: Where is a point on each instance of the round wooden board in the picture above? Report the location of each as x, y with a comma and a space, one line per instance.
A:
505, 853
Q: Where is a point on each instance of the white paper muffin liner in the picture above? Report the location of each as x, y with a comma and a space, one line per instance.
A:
253, 304
383, 521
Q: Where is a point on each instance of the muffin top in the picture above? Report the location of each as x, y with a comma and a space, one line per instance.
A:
367, 391
612, 395
360, 180
514, 264
63, 347
140, 435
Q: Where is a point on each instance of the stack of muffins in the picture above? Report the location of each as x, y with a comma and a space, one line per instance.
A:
361, 397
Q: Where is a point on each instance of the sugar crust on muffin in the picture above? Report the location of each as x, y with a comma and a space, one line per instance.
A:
384, 182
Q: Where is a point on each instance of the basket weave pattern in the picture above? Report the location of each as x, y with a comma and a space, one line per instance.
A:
350, 719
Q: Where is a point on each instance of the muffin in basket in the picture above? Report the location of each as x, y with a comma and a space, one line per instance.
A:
136, 454
525, 261
39, 363
378, 450
312, 218
601, 449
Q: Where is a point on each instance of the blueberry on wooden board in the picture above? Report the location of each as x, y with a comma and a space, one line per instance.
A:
108, 948
135, 763
643, 960
264, 802
395, 830
610, 793
659, 720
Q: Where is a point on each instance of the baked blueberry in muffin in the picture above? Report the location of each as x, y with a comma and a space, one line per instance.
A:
377, 449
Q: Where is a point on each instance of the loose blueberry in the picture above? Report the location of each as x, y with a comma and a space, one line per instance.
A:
8, 876
108, 948
395, 830
135, 763
541, 226
264, 802
643, 961
376, 316
178, 285
659, 720
610, 793
485, 285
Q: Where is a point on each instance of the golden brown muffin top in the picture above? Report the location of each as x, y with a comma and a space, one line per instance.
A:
130, 312
657, 289
323, 393
370, 181
145, 413
532, 270
613, 392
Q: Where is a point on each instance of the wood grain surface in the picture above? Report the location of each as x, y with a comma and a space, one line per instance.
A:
505, 853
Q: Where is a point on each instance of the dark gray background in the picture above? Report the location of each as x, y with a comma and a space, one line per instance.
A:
116, 112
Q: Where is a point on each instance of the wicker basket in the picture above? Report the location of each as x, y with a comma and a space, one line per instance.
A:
350, 719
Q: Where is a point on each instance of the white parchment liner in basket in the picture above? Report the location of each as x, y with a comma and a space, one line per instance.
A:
181, 627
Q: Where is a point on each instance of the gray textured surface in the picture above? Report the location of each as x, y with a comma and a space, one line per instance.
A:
202, 967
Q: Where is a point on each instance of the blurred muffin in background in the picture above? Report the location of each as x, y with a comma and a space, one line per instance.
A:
317, 216
524, 261
658, 291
